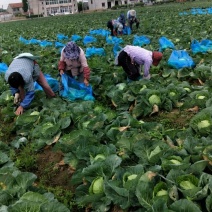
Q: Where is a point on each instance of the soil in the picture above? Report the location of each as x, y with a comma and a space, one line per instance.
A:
51, 169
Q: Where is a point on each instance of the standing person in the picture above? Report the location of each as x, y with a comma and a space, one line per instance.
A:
115, 27
131, 58
122, 19
131, 18
74, 63
21, 75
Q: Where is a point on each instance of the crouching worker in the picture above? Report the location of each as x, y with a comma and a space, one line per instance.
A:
131, 58
115, 27
131, 18
21, 75
74, 63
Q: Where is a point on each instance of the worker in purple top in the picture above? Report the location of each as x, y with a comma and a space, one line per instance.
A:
131, 58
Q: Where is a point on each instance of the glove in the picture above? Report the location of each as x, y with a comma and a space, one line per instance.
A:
16, 98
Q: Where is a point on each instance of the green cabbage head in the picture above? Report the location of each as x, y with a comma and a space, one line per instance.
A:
154, 99
97, 186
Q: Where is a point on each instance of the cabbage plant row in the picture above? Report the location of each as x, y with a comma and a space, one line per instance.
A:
120, 151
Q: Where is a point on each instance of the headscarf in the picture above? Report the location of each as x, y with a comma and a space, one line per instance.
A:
71, 51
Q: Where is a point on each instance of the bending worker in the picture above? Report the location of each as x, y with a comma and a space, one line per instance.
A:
21, 75
131, 18
131, 58
74, 63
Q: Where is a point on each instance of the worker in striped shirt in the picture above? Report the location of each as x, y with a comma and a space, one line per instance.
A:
21, 75
131, 58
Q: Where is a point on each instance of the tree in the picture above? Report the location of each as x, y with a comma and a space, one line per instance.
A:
25, 5
79, 4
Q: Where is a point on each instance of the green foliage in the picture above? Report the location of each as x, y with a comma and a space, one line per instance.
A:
26, 158
141, 160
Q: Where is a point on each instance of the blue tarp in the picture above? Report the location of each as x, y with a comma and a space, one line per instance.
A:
94, 51
43, 43
53, 83
101, 32
62, 37
89, 39
73, 90
180, 59
76, 37
3, 67
113, 40
141, 40
197, 11
165, 43
204, 46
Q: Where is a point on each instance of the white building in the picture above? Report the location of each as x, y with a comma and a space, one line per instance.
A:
52, 7
107, 4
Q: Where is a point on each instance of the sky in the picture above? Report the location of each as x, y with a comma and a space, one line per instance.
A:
5, 3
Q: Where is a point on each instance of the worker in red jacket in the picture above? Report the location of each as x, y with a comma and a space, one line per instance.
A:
74, 63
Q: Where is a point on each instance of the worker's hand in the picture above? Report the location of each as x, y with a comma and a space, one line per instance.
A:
61, 72
17, 98
147, 77
19, 111
86, 82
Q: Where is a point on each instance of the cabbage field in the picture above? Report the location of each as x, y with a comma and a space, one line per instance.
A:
143, 146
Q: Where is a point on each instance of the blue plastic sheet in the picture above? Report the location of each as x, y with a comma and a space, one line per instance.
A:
35, 41
89, 39
45, 43
58, 44
94, 51
101, 32
73, 90
165, 43
76, 37
3, 67
113, 40
127, 30
53, 83
197, 11
116, 49
141, 40
62, 37
23, 40
180, 59
201, 47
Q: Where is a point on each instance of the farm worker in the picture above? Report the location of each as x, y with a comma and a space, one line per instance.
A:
21, 75
122, 19
115, 27
131, 19
74, 63
131, 58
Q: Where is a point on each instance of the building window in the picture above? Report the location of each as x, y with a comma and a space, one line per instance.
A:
103, 4
91, 1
